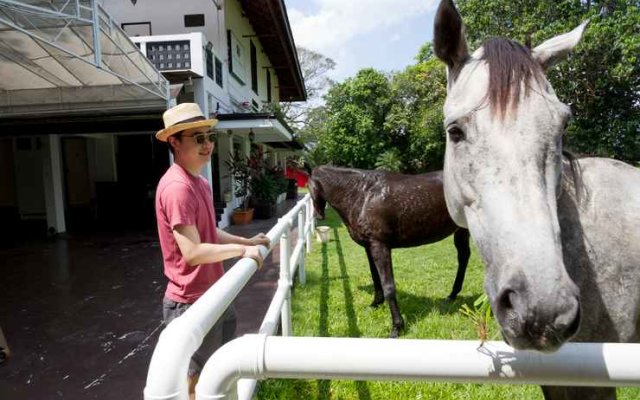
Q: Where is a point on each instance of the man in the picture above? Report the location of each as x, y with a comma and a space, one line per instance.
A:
193, 248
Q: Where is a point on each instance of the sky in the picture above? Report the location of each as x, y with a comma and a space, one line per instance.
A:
382, 34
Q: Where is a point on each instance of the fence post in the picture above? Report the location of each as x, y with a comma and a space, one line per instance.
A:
302, 278
310, 220
285, 279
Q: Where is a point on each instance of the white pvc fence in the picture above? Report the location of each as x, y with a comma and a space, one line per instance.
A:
262, 356
232, 371
167, 375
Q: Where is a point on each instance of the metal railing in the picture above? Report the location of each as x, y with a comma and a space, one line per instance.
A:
166, 378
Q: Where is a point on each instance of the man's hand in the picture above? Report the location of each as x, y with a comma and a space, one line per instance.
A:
253, 252
260, 239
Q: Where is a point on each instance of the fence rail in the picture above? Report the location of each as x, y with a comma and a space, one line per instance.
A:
166, 378
261, 356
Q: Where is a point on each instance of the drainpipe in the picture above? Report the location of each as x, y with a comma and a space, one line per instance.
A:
259, 356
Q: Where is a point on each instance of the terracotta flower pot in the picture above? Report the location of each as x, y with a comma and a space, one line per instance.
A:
242, 217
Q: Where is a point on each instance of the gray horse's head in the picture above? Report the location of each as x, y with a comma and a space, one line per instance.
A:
502, 174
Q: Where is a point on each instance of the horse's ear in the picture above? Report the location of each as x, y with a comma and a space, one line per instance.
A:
556, 49
448, 35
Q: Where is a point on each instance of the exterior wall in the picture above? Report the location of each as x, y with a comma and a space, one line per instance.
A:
29, 178
167, 23
102, 160
8, 194
167, 18
245, 34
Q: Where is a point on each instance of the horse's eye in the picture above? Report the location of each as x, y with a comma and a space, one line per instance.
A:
455, 134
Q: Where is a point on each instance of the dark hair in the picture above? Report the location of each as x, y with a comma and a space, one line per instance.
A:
510, 66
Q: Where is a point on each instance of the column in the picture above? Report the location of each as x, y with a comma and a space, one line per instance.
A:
53, 183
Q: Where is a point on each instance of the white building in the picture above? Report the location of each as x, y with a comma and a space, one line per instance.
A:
79, 103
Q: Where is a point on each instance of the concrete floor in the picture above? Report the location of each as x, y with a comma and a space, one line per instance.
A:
82, 314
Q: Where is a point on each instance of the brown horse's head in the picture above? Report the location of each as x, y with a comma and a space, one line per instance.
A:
315, 190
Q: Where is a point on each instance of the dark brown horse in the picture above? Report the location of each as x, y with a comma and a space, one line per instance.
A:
383, 211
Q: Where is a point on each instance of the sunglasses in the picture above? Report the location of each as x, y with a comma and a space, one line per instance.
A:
200, 138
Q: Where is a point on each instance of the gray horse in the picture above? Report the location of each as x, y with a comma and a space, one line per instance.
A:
560, 237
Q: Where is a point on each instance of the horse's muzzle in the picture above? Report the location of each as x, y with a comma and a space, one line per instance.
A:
539, 326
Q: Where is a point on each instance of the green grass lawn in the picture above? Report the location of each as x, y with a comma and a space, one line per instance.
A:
335, 303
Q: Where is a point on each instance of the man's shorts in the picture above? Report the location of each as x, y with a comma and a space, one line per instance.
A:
223, 331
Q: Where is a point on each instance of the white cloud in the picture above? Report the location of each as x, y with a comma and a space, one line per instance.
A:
334, 23
338, 21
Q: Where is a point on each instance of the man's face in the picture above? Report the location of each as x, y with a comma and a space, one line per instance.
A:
194, 145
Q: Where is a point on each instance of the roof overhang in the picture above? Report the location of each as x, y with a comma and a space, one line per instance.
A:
61, 58
266, 128
270, 22
131, 122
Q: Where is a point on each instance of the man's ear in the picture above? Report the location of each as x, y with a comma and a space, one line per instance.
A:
172, 141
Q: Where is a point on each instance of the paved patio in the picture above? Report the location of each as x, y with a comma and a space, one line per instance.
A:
82, 314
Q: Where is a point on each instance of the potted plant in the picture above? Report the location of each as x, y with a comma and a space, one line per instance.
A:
281, 183
239, 169
292, 188
264, 188
264, 192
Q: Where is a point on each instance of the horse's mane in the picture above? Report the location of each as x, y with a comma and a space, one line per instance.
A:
576, 173
511, 66
348, 178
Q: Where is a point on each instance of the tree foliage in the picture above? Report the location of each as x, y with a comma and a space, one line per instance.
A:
372, 113
395, 121
601, 80
356, 109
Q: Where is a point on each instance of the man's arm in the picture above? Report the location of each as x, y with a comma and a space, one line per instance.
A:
259, 239
195, 252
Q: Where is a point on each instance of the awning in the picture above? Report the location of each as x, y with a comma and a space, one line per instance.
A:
266, 128
70, 58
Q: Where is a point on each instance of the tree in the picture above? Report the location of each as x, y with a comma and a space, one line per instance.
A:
314, 67
391, 122
601, 80
355, 133
415, 119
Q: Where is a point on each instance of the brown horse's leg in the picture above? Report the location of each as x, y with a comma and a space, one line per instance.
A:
578, 393
381, 254
461, 240
378, 296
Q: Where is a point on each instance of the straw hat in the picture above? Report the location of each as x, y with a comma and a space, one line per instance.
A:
182, 117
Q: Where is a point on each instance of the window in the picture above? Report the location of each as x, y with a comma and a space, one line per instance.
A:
236, 54
209, 61
160, 52
218, 72
254, 68
137, 28
192, 20
268, 86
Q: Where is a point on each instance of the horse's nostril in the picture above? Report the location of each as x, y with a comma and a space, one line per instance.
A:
505, 301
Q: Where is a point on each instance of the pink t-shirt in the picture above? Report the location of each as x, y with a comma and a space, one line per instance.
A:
183, 199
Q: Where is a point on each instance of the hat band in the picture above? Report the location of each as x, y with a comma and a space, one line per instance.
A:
186, 121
